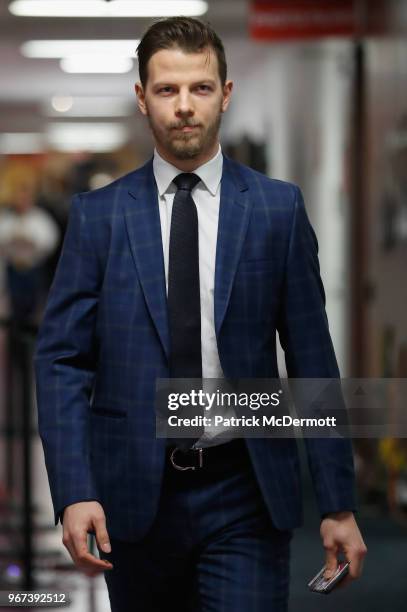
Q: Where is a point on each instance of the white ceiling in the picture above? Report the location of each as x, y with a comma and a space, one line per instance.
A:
26, 84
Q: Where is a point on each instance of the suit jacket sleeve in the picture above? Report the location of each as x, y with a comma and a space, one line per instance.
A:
65, 359
309, 353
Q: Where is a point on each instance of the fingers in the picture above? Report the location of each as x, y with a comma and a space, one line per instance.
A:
356, 556
340, 533
102, 537
331, 560
76, 543
356, 559
85, 561
78, 520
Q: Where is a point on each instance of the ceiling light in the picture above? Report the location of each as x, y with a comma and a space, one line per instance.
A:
94, 137
62, 104
90, 106
20, 143
66, 137
96, 65
64, 48
100, 8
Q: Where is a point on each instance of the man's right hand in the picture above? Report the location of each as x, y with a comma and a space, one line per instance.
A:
78, 519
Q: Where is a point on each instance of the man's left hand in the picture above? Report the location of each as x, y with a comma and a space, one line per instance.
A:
340, 533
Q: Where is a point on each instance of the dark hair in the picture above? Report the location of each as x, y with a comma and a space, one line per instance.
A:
188, 34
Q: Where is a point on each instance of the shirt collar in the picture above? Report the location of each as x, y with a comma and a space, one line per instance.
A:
210, 172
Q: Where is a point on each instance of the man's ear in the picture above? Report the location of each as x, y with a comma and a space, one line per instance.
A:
141, 101
227, 93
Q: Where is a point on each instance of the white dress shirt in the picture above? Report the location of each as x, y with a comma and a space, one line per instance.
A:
206, 195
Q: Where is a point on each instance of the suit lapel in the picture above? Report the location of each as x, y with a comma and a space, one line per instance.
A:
234, 216
144, 230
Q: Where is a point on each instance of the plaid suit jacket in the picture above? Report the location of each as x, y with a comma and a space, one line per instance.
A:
104, 340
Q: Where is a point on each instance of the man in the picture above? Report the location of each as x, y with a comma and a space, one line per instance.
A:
185, 268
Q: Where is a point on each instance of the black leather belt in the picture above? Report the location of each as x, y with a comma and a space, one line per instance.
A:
210, 457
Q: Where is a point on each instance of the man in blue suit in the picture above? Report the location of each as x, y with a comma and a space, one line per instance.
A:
186, 267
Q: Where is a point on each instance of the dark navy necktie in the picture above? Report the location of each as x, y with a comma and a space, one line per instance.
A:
184, 305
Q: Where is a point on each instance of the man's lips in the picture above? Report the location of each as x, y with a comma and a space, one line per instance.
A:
186, 128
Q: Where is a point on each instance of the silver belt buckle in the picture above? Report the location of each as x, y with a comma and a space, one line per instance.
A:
183, 468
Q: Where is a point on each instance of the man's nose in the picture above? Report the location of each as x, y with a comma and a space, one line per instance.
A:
184, 105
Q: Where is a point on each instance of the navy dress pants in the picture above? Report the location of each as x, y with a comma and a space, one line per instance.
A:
212, 548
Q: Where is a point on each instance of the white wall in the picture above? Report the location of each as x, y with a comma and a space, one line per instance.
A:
296, 98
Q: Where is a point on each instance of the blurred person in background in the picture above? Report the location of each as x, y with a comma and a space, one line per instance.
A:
28, 236
205, 526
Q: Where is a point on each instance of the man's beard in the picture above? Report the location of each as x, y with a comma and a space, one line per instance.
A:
186, 145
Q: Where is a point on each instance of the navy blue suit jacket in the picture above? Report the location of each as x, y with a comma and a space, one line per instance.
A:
104, 340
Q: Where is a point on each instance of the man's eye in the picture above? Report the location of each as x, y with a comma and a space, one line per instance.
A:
165, 90
204, 88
